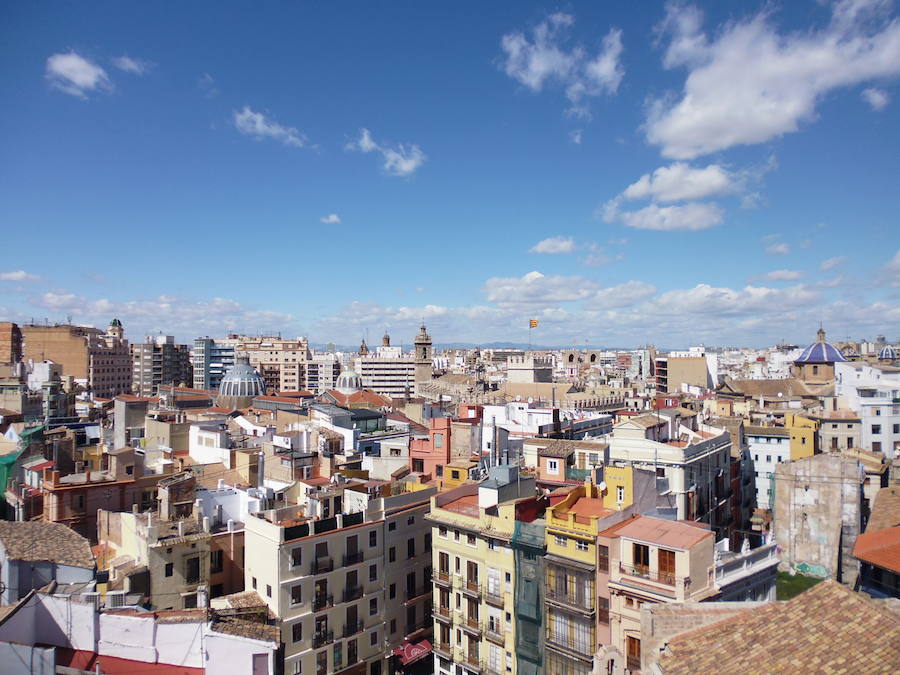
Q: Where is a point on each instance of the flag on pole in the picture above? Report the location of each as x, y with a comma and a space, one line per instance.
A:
532, 323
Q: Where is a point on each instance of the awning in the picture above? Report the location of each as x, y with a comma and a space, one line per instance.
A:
411, 652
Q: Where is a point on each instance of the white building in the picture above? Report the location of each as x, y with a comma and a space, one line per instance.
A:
873, 392
768, 447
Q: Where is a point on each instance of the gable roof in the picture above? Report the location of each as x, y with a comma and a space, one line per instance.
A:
669, 533
880, 548
827, 629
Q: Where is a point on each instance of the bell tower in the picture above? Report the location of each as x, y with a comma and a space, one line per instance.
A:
423, 357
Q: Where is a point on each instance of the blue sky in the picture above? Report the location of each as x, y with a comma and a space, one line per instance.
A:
667, 173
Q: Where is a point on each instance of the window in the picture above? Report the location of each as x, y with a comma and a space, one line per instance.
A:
620, 493
192, 570
456, 535
454, 475
373, 607
392, 592
170, 568
876, 447
216, 561
876, 428
296, 556
268, 590
410, 548
666, 565
603, 558
392, 554
553, 466
254, 582
470, 539
769, 458
296, 594
373, 639
439, 470
392, 526
297, 632
411, 520
603, 610
641, 556
439, 440
393, 626
581, 545
492, 544
897, 428
560, 541
373, 572
373, 538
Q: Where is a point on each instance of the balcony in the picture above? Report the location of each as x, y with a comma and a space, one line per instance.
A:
443, 649
578, 474
442, 578
494, 633
322, 602
581, 648
494, 597
352, 593
352, 628
469, 624
471, 587
322, 638
643, 572
414, 593
471, 659
572, 600
353, 558
321, 565
442, 613
634, 663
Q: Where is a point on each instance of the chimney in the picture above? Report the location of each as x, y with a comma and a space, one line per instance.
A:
180, 528
134, 508
217, 514
206, 523
230, 525
221, 484
260, 470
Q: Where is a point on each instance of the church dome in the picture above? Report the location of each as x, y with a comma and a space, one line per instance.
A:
348, 382
242, 382
887, 354
820, 352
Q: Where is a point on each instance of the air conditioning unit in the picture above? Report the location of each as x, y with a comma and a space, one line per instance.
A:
92, 598
115, 599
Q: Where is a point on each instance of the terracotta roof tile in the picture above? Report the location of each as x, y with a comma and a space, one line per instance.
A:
880, 548
37, 541
671, 533
827, 629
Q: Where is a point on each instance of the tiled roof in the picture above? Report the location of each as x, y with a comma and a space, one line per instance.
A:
820, 352
827, 629
885, 509
880, 548
37, 541
248, 629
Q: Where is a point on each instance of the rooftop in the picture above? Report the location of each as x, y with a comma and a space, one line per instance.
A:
670, 533
880, 548
885, 509
832, 630
37, 541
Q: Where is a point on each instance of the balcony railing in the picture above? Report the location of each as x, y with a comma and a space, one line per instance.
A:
577, 474
642, 572
576, 600
322, 601
352, 593
494, 597
352, 628
443, 648
441, 577
471, 586
582, 647
321, 565
493, 632
442, 612
472, 659
321, 638
634, 663
353, 558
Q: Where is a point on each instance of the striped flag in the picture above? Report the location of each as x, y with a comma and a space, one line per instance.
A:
532, 323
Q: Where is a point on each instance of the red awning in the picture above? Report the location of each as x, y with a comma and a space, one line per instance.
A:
410, 653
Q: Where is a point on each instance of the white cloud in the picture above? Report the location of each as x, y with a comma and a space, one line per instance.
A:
400, 160
679, 181
597, 257
75, 75
331, 219
547, 57
783, 275
258, 126
554, 245
705, 299
537, 289
890, 273
575, 136
877, 98
623, 295
690, 216
751, 84
778, 248
207, 85
130, 65
18, 275
831, 263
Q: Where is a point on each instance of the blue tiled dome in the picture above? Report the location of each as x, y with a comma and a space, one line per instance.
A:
887, 354
242, 381
820, 352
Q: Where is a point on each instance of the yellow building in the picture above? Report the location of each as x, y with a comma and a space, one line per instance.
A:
804, 435
475, 572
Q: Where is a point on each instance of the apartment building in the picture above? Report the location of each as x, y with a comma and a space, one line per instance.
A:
693, 458
387, 371
872, 390
475, 620
327, 579
159, 361
97, 360
10, 342
211, 358
768, 447
653, 561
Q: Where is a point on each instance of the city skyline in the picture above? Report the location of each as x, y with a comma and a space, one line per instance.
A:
680, 175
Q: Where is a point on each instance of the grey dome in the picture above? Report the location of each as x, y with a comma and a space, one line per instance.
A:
348, 382
242, 381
